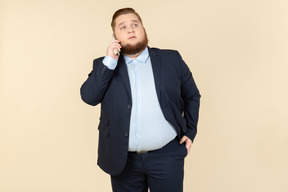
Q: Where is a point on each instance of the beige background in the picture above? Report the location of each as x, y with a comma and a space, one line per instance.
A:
237, 51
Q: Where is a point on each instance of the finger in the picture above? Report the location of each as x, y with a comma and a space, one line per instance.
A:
115, 41
117, 48
116, 52
183, 139
188, 144
115, 45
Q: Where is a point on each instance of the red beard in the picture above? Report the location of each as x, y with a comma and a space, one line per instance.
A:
134, 49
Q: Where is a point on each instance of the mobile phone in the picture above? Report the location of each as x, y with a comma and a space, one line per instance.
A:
116, 52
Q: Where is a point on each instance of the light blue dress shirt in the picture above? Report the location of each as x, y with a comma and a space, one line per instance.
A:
149, 130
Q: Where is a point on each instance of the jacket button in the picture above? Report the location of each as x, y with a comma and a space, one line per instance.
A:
129, 106
125, 134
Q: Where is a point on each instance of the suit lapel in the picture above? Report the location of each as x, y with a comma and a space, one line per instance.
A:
156, 66
124, 74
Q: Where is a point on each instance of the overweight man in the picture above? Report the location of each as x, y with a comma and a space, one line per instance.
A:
149, 110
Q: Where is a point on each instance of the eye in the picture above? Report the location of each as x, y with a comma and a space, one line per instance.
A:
135, 25
123, 27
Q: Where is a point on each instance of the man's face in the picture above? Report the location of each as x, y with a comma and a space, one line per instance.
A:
131, 34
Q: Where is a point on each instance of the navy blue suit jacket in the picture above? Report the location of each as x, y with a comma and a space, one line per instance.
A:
177, 93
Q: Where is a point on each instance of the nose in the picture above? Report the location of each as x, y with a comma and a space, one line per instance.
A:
131, 30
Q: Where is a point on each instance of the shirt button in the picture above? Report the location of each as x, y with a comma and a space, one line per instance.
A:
129, 106
125, 134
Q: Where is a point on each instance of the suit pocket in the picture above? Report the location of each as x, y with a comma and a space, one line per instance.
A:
185, 149
104, 128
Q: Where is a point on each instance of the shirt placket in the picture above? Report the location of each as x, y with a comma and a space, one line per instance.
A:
138, 105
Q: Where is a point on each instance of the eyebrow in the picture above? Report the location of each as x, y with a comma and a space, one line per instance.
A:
125, 21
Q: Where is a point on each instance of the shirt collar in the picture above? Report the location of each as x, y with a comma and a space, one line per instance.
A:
142, 58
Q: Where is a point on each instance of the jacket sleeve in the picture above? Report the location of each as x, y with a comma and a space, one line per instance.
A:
94, 88
191, 98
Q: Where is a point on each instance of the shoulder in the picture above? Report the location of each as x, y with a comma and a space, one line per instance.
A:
163, 51
99, 59
168, 54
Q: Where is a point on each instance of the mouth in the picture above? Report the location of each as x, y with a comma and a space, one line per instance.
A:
132, 37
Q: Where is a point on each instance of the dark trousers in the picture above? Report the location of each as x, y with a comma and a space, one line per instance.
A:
160, 170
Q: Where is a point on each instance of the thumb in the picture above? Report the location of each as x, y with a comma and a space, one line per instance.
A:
183, 139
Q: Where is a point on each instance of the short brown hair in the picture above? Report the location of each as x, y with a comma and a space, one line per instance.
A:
123, 12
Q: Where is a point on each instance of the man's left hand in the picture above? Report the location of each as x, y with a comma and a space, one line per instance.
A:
188, 143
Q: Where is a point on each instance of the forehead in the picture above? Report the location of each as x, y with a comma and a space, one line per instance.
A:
126, 18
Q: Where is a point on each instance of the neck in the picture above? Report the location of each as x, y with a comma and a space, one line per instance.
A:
134, 56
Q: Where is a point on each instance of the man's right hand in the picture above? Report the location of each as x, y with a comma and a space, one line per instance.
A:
115, 44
